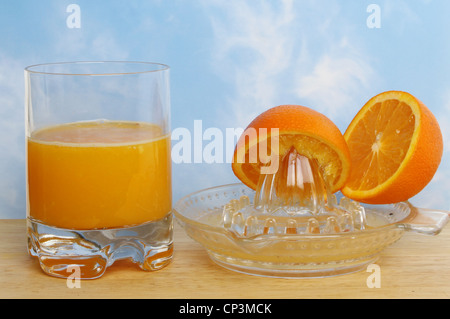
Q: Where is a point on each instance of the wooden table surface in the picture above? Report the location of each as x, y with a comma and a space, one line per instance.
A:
417, 266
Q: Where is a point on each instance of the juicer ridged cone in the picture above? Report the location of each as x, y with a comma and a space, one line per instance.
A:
296, 199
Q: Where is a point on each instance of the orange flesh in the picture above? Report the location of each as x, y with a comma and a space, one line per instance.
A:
373, 161
311, 133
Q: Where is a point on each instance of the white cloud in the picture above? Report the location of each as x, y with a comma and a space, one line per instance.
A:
400, 15
337, 80
435, 195
286, 53
253, 46
96, 39
80, 44
12, 138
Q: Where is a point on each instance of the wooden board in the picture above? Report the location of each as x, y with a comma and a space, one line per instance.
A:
417, 266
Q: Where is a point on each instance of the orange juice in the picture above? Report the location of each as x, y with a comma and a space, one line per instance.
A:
103, 174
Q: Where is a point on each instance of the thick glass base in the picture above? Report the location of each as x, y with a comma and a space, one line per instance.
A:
60, 251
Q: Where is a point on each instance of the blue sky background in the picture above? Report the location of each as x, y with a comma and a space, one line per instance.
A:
232, 59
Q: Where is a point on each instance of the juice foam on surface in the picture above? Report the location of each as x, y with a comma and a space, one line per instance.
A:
98, 132
102, 174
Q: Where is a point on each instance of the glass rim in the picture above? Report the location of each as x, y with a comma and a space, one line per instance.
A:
31, 68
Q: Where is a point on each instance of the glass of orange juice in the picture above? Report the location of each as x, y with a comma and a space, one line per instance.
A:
98, 166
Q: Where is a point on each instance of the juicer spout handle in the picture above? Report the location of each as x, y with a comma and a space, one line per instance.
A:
425, 221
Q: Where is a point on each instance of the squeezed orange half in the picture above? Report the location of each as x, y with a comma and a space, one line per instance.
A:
102, 174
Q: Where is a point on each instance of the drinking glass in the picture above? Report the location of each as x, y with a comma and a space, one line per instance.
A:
98, 166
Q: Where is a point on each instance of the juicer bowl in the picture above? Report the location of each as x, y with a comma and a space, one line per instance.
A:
299, 255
